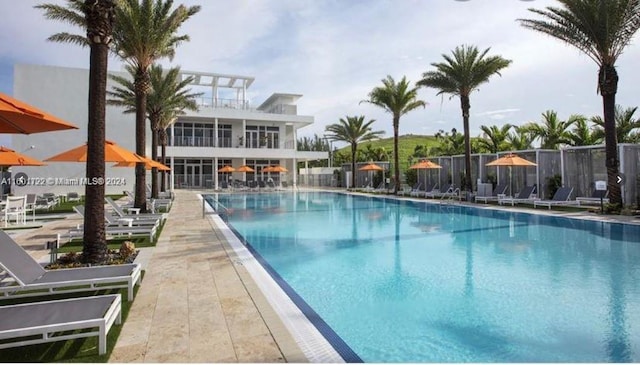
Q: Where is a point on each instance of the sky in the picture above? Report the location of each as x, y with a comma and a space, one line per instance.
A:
334, 52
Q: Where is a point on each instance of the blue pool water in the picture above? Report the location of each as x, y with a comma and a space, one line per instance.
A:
404, 281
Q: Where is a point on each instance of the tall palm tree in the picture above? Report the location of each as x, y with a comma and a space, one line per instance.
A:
97, 17
146, 32
165, 122
352, 130
460, 74
168, 96
398, 99
601, 29
627, 127
521, 139
583, 135
552, 132
495, 138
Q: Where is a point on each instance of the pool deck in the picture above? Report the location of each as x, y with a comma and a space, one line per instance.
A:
195, 304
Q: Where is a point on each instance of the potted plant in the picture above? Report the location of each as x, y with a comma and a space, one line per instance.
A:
263, 141
240, 141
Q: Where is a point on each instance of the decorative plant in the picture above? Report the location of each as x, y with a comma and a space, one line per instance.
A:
553, 184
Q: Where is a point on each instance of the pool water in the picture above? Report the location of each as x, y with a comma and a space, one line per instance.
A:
403, 281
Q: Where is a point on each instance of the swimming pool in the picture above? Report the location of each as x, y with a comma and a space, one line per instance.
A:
402, 281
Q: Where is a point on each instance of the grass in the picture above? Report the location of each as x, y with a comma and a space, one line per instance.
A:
406, 145
67, 207
84, 350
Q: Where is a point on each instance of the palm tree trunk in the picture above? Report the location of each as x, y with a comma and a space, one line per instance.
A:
608, 77
141, 84
466, 105
154, 156
99, 17
396, 165
354, 148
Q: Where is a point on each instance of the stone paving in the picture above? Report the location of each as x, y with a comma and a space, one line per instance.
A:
193, 305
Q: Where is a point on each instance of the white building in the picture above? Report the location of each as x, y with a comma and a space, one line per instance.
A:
227, 130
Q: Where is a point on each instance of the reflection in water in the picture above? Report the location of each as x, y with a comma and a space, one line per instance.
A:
618, 347
419, 282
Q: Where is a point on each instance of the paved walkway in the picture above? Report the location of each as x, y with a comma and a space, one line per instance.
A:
194, 305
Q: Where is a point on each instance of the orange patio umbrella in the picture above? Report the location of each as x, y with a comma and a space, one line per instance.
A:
276, 168
425, 165
511, 160
9, 157
227, 169
372, 167
17, 117
148, 164
112, 153
245, 168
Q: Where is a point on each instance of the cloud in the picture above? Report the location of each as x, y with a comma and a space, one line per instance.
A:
335, 52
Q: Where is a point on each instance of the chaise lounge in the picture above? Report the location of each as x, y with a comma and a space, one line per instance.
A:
26, 277
560, 198
51, 321
524, 196
498, 192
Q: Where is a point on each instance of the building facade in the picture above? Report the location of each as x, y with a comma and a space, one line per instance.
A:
226, 130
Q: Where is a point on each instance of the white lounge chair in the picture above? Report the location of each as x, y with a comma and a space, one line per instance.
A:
121, 213
560, 198
447, 191
524, 196
498, 192
51, 321
26, 277
113, 221
15, 208
595, 197
415, 191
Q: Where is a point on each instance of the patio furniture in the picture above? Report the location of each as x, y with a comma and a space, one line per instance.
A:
51, 321
120, 212
560, 198
439, 193
14, 207
30, 205
415, 190
595, 197
524, 196
433, 189
26, 277
497, 193
73, 197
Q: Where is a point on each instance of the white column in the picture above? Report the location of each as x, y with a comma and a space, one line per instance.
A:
215, 132
244, 133
172, 182
215, 167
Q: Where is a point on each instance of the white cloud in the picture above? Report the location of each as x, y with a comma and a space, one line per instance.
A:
334, 52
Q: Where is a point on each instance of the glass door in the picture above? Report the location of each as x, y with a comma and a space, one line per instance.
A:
193, 175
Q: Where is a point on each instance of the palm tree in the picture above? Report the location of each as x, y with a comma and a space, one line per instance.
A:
521, 139
552, 132
397, 99
450, 144
495, 138
352, 130
601, 29
460, 75
146, 32
583, 135
626, 126
97, 17
168, 97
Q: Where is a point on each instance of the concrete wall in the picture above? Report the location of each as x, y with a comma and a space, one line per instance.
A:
63, 92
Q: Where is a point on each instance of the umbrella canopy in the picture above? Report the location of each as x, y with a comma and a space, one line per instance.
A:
227, 169
148, 164
511, 160
370, 167
425, 165
9, 157
112, 153
245, 168
276, 168
17, 117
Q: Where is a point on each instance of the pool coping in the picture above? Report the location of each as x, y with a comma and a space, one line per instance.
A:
282, 313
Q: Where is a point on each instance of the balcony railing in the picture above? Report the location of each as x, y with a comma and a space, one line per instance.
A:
205, 102
222, 143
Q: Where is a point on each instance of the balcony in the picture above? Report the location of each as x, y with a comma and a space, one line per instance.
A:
222, 143
210, 102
